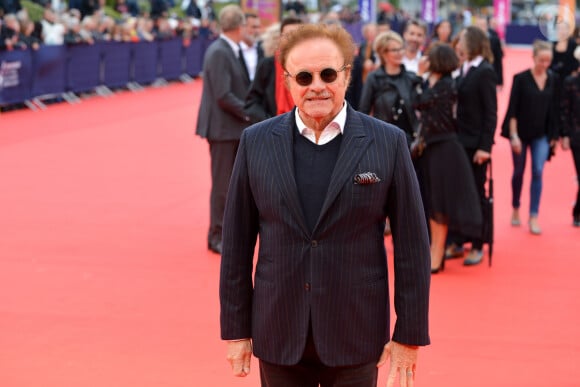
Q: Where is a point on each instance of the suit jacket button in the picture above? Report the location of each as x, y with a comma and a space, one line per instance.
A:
314, 244
307, 286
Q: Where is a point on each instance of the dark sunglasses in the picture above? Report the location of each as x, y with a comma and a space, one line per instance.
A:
328, 75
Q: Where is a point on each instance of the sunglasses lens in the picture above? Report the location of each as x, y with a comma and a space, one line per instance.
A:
328, 75
304, 78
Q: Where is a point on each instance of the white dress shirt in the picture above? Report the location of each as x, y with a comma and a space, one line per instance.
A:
250, 57
329, 133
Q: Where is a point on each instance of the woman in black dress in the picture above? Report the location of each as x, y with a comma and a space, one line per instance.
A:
451, 198
571, 128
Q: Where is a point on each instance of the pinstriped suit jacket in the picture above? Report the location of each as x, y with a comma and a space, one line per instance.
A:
336, 275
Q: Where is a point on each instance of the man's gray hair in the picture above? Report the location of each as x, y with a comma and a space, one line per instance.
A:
231, 17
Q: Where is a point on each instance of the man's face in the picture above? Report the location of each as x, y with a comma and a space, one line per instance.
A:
414, 38
319, 100
370, 33
252, 30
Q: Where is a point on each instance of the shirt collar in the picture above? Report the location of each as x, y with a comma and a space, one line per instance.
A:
232, 44
339, 119
245, 47
472, 63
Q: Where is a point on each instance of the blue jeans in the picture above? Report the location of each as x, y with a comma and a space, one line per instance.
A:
540, 149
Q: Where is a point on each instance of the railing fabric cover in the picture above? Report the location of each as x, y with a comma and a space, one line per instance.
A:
522, 34
145, 55
116, 64
193, 57
171, 59
49, 70
15, 76
83, 64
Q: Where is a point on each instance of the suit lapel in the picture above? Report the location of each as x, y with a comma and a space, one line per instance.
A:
355, 141
243, 65
470, 72
283, 166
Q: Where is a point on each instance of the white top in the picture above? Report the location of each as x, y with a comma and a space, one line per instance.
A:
472, 63
250, 57
412, 64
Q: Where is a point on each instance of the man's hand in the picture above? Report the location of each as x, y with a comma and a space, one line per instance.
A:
239, 356
481, 156
565, 143
403, 361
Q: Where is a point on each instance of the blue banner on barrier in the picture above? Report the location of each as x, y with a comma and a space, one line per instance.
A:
116, 64
83, 67
49, 70
144, 62
194, 57
522, 34
15, 76
171, 59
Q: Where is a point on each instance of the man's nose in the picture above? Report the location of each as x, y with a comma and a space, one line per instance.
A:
317, 82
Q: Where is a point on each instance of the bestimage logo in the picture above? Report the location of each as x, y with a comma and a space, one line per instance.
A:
556, 22
9, 74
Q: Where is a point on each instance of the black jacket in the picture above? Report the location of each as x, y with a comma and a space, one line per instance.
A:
261, 99
390, 98
477, 107
570, 112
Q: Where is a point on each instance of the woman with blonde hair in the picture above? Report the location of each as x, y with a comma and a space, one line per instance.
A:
531, 122
390, 91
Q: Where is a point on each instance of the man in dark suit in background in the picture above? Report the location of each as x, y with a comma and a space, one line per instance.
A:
251, 52
267, 96
221, 117
363, 64
316, 185
496, 48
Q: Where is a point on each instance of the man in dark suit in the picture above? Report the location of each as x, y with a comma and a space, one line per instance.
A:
364, 63
251, 52
221, 117
267, 96
496, 48
316, 185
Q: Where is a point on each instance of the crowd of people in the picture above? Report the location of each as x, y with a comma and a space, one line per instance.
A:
441, 89
316, 148
392, 78
86, 22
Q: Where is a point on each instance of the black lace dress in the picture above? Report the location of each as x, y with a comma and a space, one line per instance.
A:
449, 187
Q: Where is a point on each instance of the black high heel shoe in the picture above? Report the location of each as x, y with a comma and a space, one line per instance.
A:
440, 268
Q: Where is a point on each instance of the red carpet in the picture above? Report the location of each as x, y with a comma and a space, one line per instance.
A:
105, 279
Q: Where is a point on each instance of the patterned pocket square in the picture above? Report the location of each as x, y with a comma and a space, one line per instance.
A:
366, 178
